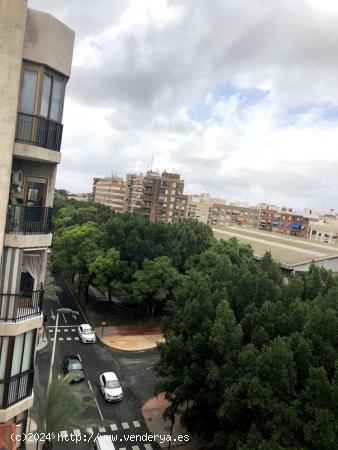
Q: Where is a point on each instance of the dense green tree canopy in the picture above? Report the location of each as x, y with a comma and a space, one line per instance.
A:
250, 358
124, 253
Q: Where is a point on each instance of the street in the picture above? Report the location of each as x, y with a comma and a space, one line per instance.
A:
134, 370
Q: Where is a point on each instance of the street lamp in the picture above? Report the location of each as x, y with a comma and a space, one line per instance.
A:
58, 311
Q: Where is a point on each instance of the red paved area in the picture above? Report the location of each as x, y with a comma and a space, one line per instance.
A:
131, 330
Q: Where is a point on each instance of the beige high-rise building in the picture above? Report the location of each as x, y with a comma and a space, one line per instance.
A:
35, 59
109, 192
156, 196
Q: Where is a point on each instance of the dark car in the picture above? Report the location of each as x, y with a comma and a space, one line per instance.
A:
72, 365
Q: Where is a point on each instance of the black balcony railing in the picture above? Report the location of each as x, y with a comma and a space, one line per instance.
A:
17, 388
39, 131
29, 219
17, 307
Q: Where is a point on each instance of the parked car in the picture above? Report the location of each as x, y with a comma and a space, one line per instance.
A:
72, 365
111, 387
86, 333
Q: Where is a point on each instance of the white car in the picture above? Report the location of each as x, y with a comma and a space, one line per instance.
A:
86, 333
111, 387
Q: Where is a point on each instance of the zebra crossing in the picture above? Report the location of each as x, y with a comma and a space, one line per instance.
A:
63, 333
112, 427
118, 433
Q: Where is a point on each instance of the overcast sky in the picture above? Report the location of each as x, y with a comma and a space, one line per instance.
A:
239, 97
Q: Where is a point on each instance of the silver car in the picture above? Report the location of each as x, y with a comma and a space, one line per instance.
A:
86, 333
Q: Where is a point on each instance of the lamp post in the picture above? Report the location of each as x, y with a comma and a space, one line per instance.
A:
58, 311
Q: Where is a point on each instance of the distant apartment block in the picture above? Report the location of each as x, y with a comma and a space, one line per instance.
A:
214, 212
327, 233
156, 196
80, 197
109, 192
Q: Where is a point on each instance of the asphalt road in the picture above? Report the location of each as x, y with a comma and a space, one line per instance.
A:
134, 370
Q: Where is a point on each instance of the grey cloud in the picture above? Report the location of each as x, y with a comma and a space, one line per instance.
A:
86, 17
148, 73
296, 184
284, 44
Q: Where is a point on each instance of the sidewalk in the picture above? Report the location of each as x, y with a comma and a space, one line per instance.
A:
131, 337
42, 339
152, 411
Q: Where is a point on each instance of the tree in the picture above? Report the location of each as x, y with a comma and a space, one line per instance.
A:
252, 357
74, 249
155, 282
59, 408
51, 290
109, 273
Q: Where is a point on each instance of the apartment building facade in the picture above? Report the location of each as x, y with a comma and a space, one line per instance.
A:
156, 196
322, 232
261, 217
110, 192
35, 60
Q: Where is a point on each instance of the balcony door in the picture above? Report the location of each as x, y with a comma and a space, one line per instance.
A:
28, 105
40, 107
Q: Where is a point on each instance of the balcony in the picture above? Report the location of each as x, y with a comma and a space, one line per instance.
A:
29, 220
38, 131
18, 307
16, 389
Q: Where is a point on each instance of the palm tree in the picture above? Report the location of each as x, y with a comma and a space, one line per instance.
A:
60, 407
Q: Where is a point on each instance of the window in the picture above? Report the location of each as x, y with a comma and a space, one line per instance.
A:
17, 354
45, 99
3, 355
56, 99
22, 356
42, 92
28, 95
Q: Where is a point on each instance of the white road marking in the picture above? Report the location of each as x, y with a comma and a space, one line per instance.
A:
64, 433
73, 329
89, 430
90, 386
77, 432
79, 357
52, 339
59, 326
136, 424
64, 318
51, 331
148, 447
65, 329
125, 425
76, 338
60, 339
122, 448
69, 339
135, 447
102, 429
113, 426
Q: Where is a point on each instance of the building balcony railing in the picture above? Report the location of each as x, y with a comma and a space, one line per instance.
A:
29, 219
39, 131
16, 389
17, 307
